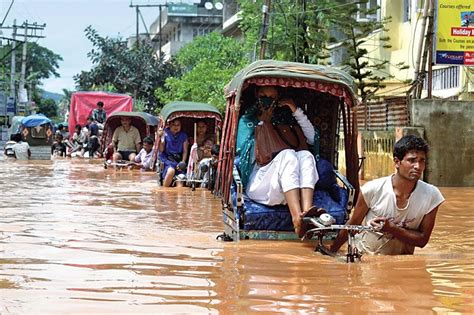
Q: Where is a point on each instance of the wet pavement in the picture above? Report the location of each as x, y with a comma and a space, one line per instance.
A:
76, 238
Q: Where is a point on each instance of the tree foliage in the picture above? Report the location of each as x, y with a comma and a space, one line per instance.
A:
47, 107
41, 63
368, 72
298, 30
308, 30
137, 71
64, 103
206, 65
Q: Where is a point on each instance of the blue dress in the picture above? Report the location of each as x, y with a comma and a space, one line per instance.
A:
173, 152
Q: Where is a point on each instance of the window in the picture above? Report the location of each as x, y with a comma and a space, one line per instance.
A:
201, 31
406, 10
368, 11
446, 78
419, 4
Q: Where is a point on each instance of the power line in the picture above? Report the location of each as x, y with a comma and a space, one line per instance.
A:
144, 24
315, 11
8, 11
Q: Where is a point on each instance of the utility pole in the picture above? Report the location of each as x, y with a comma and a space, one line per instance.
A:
13, 62
427, 50
21, 85
137, 7
26, 27
159, 34
263, 33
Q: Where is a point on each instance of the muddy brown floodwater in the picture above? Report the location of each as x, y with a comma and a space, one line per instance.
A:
75, 239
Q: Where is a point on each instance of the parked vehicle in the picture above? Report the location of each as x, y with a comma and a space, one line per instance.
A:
37, 130
327, 95
14, 128
190, 113
15, 125
146, 124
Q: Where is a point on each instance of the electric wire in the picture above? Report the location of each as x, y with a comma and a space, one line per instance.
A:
8, 11
317, 10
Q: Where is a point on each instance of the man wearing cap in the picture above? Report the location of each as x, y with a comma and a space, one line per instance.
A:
99, 114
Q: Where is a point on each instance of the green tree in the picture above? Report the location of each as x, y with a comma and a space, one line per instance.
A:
303, 31
298, 30
137, 71
368, 72
41, 63
206, 65
48, 108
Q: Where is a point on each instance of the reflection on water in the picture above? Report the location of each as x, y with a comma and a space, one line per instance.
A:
75, 238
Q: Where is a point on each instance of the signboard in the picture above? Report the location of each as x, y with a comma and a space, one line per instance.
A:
455, 32
11, 106
3, 104
178, 9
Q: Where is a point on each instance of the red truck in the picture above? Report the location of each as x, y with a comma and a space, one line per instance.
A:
83, 103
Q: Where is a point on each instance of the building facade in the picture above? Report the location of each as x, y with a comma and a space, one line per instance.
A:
448, 81
230, 19
179, 23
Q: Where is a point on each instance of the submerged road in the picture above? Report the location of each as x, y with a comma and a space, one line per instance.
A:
76, 239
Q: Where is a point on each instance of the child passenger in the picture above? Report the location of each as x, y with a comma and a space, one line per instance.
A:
204, 154
143, 160
58, 149
174, 149
204, 151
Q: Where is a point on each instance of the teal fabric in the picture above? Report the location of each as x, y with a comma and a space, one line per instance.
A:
316, 144
246, 143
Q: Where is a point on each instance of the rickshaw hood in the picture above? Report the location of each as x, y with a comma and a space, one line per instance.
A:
284, 69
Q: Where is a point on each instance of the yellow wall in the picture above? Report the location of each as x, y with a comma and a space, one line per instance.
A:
404, 39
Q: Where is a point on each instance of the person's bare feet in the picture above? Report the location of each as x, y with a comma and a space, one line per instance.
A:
297, 225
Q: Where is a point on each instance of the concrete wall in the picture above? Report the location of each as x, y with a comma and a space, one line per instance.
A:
449, 131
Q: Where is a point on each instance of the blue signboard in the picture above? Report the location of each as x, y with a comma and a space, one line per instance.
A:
11, 106
450, 57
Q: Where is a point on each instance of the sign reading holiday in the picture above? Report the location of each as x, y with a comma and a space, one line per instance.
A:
455, 32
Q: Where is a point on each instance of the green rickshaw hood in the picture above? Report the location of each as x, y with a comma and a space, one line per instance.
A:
293, 70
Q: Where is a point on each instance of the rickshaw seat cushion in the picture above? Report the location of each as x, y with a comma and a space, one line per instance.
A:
257, 216
327, 178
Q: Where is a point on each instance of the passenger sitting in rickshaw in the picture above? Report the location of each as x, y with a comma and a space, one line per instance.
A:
201, 134
281, 170
143, 160
204, 158
126, 141
174, 151
200, 154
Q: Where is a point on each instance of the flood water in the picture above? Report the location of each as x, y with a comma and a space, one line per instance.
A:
75, 239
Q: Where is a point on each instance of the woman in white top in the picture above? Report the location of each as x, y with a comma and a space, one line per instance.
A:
290, 177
